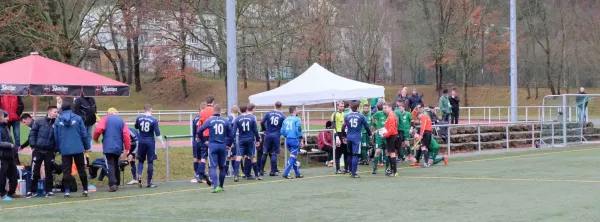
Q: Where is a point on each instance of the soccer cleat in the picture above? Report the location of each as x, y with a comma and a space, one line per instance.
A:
395, 174
29, 195
150, 185
273, 174
415, 164
445, 159
140, 181
207, 179
356, 176
191, 181
250, 178
346, 171
374, 171
6, 198
287, 177
85, 193
366, 162
67, 195
236, 179
388, 174
299, 176
132, 182
217, 190
380, 164
112, 189
262, 174
259, 178
425, 165
50, 195
339, 172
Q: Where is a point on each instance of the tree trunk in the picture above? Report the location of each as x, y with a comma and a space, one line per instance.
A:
268, 81
244, 73
128, 30
184, 86
110, 59
136, 63
113, 35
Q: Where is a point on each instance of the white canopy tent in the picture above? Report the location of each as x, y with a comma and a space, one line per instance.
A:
317, 85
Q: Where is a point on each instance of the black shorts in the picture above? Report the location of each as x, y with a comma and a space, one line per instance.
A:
426, 140
400, 136
392, 144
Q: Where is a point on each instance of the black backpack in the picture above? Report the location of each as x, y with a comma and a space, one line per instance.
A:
87, 110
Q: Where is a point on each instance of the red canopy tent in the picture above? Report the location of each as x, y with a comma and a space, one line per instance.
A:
39, 76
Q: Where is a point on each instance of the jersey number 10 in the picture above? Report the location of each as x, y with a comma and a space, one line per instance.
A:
218, 129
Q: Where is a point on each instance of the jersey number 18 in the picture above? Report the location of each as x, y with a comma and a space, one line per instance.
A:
145, 126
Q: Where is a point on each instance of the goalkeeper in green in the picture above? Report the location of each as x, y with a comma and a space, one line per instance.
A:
365, 142
378, 121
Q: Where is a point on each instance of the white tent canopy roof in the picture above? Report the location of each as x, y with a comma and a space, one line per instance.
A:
317, 85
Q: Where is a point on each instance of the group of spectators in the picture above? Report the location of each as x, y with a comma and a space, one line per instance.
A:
65, 129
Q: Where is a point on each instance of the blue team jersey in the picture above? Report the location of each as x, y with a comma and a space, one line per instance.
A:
272, 122
220, 129
246, 126
195, 126
147, 127
292, 128
355, 122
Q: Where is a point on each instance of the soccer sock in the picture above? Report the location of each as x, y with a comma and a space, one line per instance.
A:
354, 164
247, 167
394, 162
291, 162
296, 170
387, 163
273, 163
426, 156
347, 162
418, 155
227, 165
363, 153
213, 176
263, 162
222, 173
236, 168
133, 172
375, 162
255, 167
196, 168
201, 168
150, 172
140, 168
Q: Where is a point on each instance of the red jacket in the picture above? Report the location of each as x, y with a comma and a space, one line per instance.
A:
13, 105
115, 134
324, 139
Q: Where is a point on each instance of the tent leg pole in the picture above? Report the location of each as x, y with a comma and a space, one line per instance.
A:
35, 106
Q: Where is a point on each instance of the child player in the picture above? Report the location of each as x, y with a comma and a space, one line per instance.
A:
365, 139
355, 123
378, 118
292, 131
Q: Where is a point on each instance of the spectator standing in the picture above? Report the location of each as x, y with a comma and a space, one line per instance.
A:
13, 105
582, 104
401, 96
85, 107
445, 107
454, 102
27, 120
115, 137
8, 168
41, 139
59, 102
72, 142
414, 100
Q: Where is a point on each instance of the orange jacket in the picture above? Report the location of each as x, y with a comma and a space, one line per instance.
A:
414, 114
425, 124
204, 116
391, 125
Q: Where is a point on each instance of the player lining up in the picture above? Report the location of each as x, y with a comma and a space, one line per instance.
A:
148, 128
355, 122
199, 149
391, 135
248, 139
292, 131
379, 118
219, 142
272, 122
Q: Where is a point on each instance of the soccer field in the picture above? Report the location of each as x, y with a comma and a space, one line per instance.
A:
538, 185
